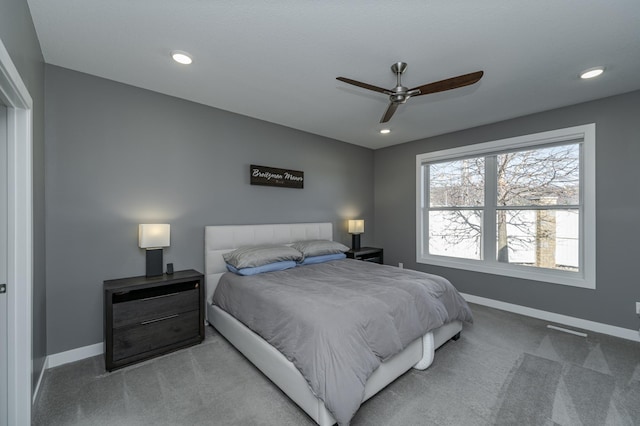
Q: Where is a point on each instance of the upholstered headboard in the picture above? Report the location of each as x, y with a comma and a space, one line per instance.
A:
222, 239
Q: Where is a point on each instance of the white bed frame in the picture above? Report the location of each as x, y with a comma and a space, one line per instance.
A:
222, 239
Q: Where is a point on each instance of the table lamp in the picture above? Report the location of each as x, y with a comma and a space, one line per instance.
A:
356, 227
153, 237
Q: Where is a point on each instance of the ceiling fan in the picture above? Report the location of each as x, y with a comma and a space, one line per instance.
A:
400, 94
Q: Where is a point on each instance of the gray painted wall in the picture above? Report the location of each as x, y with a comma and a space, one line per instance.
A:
617, 210
117, 156
19, 38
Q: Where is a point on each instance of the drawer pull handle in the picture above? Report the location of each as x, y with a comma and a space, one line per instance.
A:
162, 295
159, 319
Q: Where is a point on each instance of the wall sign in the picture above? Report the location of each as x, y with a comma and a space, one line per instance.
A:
271, 176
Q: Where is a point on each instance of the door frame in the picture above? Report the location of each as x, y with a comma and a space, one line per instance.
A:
19, 104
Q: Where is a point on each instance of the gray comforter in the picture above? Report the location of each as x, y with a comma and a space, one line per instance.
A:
337, 321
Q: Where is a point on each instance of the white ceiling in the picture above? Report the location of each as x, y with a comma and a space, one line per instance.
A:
278, 60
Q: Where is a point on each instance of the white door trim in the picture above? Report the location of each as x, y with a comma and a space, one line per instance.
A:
19, 104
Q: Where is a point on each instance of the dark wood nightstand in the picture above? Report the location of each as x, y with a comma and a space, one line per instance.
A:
146, 317
368, 254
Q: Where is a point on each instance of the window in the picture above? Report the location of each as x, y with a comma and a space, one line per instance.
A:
521, 207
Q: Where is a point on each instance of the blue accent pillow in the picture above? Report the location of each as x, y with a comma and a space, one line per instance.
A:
323, 258
269, 267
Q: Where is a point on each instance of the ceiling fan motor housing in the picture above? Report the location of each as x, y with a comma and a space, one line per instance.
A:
399, 97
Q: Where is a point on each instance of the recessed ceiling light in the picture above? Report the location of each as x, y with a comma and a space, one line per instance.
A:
591, 72
385, 131
181, 57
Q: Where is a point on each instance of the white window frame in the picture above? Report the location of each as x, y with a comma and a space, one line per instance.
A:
586, 276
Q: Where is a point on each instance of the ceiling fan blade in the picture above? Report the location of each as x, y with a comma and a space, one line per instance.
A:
449, 83
391, 109
364, 85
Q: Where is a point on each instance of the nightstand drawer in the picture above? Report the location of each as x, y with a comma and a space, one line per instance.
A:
367, 254
154, 334
154, 306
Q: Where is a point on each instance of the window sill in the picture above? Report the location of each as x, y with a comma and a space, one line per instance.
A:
573, 279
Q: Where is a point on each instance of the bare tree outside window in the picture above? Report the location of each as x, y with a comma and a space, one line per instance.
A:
536, 201
456, 198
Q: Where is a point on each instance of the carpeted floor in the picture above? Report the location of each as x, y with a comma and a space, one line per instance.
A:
506, 369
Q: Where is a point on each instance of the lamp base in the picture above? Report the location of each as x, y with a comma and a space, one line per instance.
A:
355, 241
154, 262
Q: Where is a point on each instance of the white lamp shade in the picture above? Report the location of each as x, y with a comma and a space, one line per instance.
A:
154, 235
356, 226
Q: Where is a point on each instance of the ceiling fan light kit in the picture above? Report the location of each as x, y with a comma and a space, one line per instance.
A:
400, 94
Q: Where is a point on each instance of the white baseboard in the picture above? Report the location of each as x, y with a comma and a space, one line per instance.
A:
597, 327
66, 357
73, 355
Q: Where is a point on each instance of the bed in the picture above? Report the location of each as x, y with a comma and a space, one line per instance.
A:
222, 239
